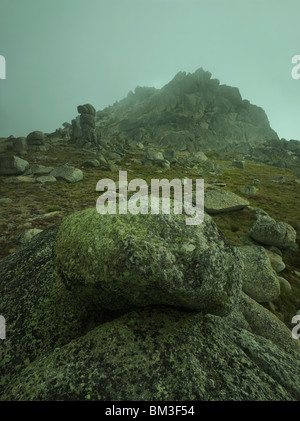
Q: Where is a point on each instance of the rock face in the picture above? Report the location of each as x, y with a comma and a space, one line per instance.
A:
267, 231
128, 261
66, 173
61, 347
12, 165
219, 201
192, 112
260, 281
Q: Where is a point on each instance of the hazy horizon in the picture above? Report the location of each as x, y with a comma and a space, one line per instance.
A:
60, 54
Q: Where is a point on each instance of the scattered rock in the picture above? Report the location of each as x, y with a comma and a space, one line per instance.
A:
46, 179
249, 190
238, 164
66, 173
267, 231
218, 201
285, 286
12, 165
260, 281
91, 163
41, 170
276, 261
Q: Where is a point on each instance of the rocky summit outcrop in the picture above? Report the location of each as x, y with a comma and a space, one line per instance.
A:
192, 112
109, 307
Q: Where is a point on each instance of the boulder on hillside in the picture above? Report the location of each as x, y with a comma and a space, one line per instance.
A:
260, 281
36, 138
12, 165
269, 232
219, 201
66, 173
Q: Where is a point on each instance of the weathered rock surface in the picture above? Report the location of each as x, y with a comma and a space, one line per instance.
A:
276, 261
61, 346
127, 261
267, 231
218, 201
260, 281
162, 355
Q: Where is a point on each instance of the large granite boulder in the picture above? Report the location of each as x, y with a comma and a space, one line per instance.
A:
128, 261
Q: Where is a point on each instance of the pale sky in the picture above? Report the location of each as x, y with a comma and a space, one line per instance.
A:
62, 53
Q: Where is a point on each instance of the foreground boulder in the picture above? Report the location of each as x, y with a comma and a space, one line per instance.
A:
219, 201
128, 261
162, 354
269, 232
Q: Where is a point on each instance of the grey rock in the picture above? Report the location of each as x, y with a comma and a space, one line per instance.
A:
153, 155
41, 170
163, 261
12, 165
66, 173
167, 355
276, 261
260, 281
269, 232
218, 201
46, 179
285, 286
36, 138
91, 163
249, 190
